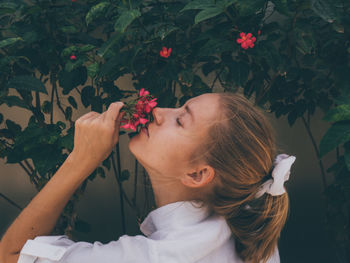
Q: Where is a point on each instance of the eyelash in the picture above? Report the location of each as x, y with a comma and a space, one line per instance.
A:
177, 120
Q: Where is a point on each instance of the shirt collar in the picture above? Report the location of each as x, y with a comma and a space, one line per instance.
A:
174, 215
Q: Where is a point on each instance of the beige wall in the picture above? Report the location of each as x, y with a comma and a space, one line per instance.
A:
303, 239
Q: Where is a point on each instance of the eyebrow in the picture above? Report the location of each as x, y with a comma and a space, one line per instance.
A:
190, 112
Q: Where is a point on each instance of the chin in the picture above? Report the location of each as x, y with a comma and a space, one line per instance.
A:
135, 148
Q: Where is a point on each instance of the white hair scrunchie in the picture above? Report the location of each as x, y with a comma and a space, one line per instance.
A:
280, 174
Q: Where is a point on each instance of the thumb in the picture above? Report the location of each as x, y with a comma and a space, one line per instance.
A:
120, 117
113, 110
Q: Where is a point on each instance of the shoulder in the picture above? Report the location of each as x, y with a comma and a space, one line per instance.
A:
62, 249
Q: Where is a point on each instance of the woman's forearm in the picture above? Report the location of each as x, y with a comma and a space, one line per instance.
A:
39, 217
95, 135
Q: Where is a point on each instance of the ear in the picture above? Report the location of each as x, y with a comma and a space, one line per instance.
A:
200, 177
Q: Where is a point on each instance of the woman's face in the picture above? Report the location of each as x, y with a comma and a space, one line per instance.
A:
173, 135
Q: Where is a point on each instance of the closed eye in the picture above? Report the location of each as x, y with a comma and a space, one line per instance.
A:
178, 122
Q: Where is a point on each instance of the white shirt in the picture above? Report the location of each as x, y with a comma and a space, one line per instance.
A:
174, 233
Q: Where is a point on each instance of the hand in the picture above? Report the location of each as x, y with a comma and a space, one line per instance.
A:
96, 134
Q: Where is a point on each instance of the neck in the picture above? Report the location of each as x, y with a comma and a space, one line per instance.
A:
167, 193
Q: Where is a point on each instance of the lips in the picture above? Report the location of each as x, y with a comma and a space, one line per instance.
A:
145, 130
147, 124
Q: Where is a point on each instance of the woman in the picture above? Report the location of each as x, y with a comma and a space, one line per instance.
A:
211, 166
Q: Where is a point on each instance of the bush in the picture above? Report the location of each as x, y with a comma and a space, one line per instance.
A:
299, 61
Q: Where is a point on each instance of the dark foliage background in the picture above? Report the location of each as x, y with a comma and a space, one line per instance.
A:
300, 62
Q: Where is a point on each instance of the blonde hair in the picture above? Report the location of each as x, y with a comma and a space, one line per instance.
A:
241, 148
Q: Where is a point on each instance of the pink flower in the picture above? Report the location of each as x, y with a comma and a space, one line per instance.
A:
73, 57
165, 53
150, 105
128, 126
143, 92
246, 41
143, 120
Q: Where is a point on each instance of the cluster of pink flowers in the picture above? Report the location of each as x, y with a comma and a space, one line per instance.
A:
137, 113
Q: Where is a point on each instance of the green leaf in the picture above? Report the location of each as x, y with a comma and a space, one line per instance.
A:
198, 4
87, 95
239, 72
126, 19
26, 82
69, 80
45, 158
104, 50
281, 7
72, 102
209, 67
207, 13
125, 175
227, 3
71, 65
164, 31
67, 141
107, 163
69, 29
337, 134
101, 172
13, 101
8, 5
13, 127
347, 158
339, 113
9, 41
61, 125
86, 48
323, 9
292, 117
92, 175
6, 133
96, 11
69, 51
215, 46
250, 7
68, 113
305, 39
46, 107
92, 69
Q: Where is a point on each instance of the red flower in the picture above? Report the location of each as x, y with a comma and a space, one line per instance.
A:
139, 111
130, 125
246, 41
165, 53
259, 32
143, 92
73, 57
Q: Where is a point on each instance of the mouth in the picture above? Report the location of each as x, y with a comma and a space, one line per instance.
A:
145, 129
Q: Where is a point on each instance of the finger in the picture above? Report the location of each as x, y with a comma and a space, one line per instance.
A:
88, 115
113, 110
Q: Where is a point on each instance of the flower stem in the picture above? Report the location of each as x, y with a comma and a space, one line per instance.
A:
117, 175
10, 201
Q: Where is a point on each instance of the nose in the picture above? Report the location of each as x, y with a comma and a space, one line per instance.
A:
157, 117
